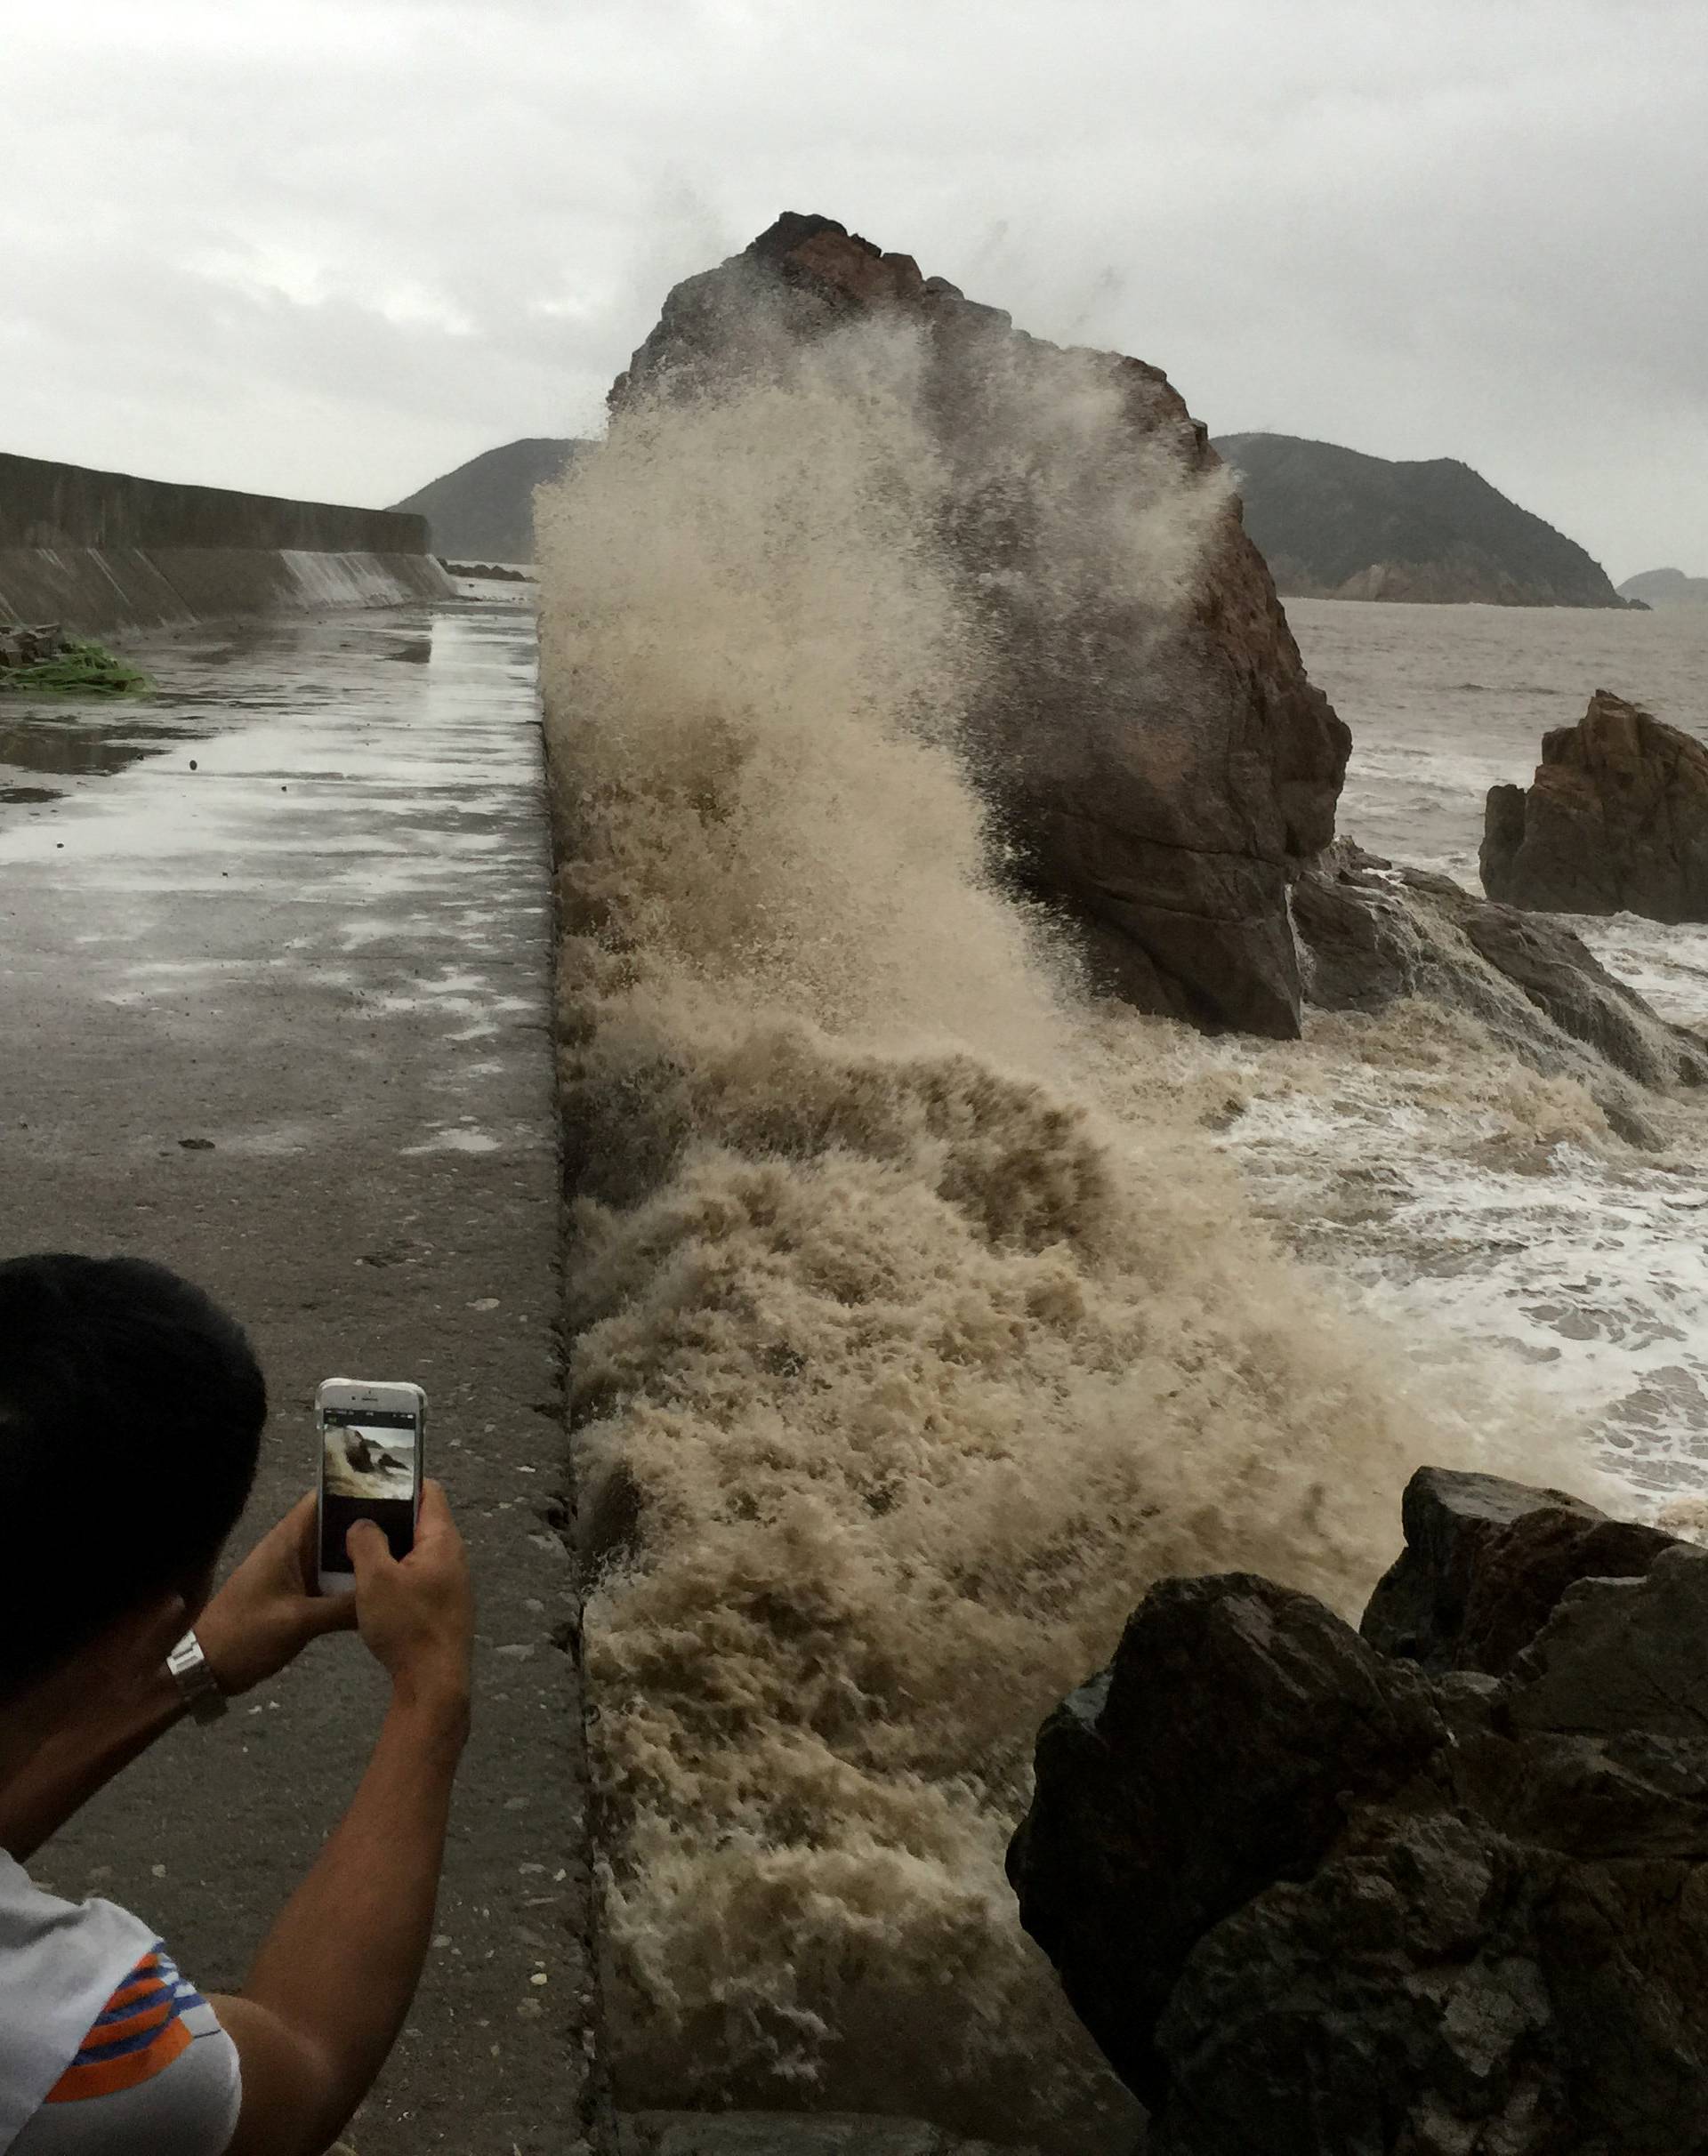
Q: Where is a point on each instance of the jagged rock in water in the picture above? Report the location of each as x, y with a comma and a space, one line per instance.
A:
1159, 760
1322, 1899
1485, 1563
1615, 820
1370, 933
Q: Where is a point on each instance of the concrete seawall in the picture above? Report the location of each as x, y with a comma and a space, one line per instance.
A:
104, 550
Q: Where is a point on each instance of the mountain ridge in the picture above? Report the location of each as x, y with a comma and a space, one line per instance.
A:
1337, 523
484, 509
1665, 588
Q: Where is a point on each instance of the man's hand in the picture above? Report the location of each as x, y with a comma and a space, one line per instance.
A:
331, 1986
268, 1611
416, 1615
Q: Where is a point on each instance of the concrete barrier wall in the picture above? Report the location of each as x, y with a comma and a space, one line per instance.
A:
58, 505
92, 588
102, 549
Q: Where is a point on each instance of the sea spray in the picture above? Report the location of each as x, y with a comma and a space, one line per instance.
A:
917, 1326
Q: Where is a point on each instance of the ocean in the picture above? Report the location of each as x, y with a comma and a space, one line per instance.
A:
1555, 1248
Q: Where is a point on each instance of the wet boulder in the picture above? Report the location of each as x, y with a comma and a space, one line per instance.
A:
1615, 820
1485, 1563
1211, 1756
1439, 1887
1160, 766
1371, 932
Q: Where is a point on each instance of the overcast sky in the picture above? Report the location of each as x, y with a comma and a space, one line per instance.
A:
334, 247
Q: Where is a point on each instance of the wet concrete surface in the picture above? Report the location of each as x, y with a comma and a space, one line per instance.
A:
274, 1009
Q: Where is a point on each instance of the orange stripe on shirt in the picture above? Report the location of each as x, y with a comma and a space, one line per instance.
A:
107, 2077
148, 1987
153, 2015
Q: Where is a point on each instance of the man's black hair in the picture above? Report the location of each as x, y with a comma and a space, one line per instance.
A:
131, 1412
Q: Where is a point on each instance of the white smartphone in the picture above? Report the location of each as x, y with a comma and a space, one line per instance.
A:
371, 1437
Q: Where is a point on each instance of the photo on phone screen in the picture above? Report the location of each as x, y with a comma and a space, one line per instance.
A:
368, 1472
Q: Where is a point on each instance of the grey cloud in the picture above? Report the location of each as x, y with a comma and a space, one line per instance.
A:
336, 248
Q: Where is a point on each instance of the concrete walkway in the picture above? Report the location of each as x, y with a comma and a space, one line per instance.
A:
274, 1007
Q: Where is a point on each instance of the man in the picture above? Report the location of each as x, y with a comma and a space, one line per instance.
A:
131, 1413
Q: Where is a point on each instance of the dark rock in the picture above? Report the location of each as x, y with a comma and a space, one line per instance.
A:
1615, 820
1371, 933
1617, 1650
1485, 1563
1160, 762
1314, 1900
494, 572
1216, 1753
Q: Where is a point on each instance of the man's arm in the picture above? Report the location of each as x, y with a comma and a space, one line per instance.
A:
60, 1749
326, 1996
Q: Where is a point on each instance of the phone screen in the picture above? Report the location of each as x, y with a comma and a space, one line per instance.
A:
367, 1472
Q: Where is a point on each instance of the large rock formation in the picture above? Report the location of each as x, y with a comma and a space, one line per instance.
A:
1334, 523
1616, 821
1440, 1887
1160, 761
1372, 933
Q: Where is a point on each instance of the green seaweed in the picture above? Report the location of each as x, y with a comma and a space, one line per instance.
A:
80, 669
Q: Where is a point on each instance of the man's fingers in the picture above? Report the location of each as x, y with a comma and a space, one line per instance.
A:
366, 1549
298, 1526
328, 1613
433, 1523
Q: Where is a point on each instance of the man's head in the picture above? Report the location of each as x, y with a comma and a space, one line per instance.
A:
131, 1412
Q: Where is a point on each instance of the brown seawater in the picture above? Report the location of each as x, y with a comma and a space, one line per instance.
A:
921, 1316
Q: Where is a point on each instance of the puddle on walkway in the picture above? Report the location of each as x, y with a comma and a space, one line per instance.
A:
287, 709
207, 682
70, 738
290, 822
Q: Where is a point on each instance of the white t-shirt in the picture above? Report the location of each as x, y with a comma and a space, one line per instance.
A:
105, 2049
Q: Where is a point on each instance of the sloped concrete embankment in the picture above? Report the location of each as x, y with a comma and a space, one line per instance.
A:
105, 550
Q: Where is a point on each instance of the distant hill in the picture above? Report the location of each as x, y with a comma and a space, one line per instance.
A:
1666, 588
484, 509
1335, 524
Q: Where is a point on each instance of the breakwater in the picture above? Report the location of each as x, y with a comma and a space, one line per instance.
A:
105, 550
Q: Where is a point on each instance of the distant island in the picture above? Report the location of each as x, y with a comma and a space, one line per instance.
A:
1333, 523
484, 510
1665, 588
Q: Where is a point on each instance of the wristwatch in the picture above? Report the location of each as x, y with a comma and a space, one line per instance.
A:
194, 1676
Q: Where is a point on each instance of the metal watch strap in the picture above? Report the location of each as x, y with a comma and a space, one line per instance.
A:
196, 1680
